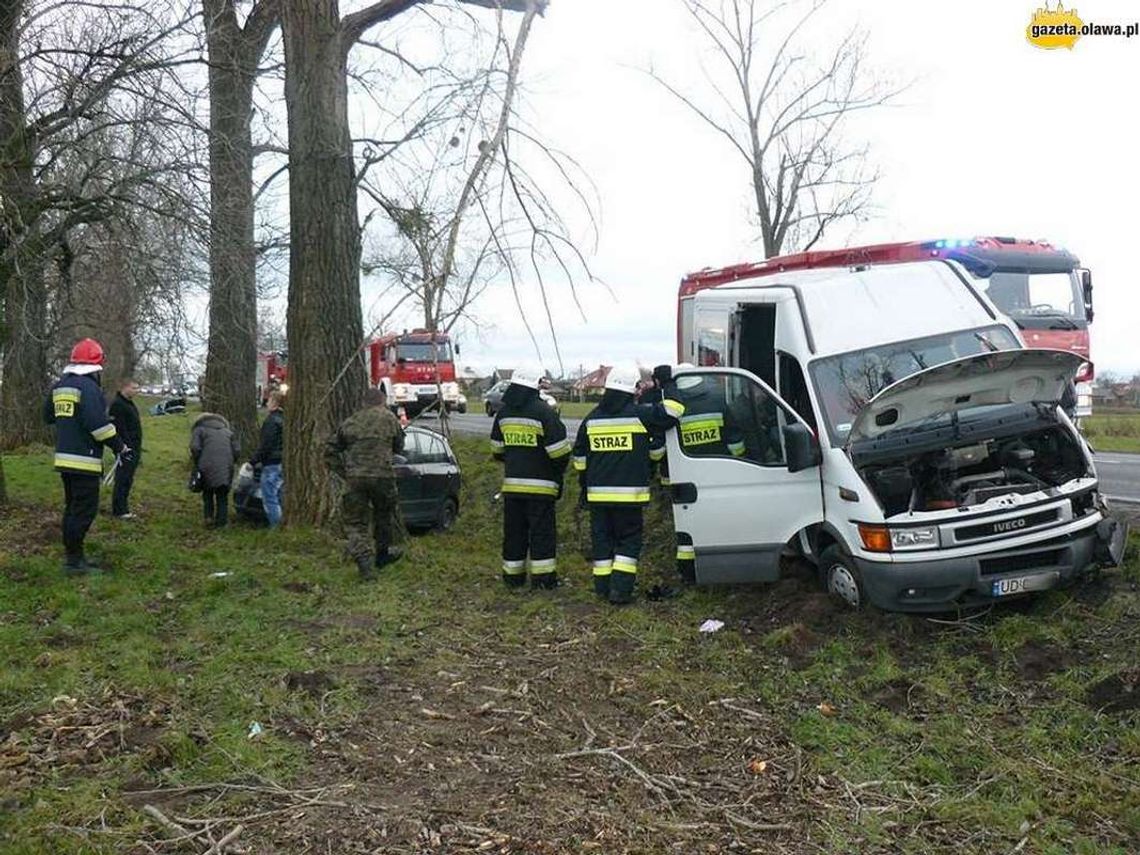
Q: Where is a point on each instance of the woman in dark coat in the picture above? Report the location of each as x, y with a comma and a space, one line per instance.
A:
214, 448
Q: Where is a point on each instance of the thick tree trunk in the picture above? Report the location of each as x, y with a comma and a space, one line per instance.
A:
22, 271
325, 327
231, 358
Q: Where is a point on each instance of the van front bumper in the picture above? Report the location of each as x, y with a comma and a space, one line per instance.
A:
946, 584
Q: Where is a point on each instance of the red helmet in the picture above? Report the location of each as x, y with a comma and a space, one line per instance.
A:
87, 352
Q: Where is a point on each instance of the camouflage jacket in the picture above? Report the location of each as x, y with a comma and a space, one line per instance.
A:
363, 445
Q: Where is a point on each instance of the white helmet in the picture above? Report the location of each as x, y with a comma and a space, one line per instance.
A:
624, 378
525, 377
690, 382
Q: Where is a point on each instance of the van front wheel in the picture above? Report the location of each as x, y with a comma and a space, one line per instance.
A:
841, 577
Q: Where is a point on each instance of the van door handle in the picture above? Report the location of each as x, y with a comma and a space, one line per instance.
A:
684, 493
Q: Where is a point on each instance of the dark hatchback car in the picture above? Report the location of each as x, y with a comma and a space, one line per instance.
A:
427, 476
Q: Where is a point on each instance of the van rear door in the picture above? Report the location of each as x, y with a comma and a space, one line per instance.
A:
733, 493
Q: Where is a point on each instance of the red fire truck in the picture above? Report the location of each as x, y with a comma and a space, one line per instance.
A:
405, 365
1040, 287
271, 374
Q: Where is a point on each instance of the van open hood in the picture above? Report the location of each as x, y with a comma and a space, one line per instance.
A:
1004, 377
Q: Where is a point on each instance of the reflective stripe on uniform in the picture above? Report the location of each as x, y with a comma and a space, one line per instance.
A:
496, 445
674, 408
532, 486
686, 553
78, 462
514, 568
519, 421
666, 482
104, 433
542, 566
617, 494
603, 426
580, 464
736, 449
603, 568
656, 454
559, 449
625, 564
65, 393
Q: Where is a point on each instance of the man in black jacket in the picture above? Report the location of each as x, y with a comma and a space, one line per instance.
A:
269, 455
78, 410
125, 417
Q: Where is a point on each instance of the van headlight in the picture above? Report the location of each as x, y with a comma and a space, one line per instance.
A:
924, 537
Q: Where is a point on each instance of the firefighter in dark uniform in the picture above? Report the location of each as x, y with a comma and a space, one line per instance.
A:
612, 452
360, 451
707, 429
78, 410
530, 440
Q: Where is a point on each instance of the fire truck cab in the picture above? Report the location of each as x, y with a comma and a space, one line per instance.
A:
414, 368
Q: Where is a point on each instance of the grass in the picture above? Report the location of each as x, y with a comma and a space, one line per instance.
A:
1109, 431
433, 711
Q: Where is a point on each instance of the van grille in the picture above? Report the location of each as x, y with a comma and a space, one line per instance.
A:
1009, 525
1014, 563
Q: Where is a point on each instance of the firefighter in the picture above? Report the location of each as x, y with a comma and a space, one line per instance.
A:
708, 428
530, 439
612, 455
360, 451
78, 410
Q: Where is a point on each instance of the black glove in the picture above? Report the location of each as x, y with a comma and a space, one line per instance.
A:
663, 374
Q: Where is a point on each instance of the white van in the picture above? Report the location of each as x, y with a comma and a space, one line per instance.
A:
888, 424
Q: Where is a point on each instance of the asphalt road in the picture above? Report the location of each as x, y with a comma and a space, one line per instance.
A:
1119, 473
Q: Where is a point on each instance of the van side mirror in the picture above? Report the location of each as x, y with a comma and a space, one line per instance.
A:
802, 448
1086, 292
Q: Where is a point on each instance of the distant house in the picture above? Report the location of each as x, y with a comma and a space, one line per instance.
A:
593, 383
1110, 395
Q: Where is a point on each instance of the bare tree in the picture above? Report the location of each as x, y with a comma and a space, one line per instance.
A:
235, 52
783, 108
324, 318
68, 72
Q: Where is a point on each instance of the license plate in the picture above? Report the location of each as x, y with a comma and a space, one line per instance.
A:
1023, 584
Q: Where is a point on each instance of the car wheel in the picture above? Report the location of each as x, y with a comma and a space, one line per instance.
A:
841, 578
462, 409
448, 513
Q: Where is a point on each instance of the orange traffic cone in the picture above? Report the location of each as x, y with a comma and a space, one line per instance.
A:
403, 414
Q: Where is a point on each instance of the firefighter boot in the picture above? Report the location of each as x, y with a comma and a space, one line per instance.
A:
621, 588
602, 586
513, 580
544, 581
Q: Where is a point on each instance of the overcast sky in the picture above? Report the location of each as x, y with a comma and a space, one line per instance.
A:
994, 136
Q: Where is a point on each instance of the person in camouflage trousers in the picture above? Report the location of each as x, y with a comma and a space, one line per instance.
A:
360, 451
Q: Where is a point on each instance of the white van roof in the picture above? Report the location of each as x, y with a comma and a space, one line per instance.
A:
853, 309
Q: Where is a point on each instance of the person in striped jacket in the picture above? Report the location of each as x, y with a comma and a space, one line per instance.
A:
530, 440
612, 454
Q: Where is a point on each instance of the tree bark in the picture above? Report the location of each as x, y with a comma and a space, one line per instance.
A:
325, 327
231, 357
22, 266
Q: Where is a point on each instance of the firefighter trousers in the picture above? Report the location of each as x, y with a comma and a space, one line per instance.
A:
529, 528
81, 504
616, 531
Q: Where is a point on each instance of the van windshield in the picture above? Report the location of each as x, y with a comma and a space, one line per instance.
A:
844, 383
